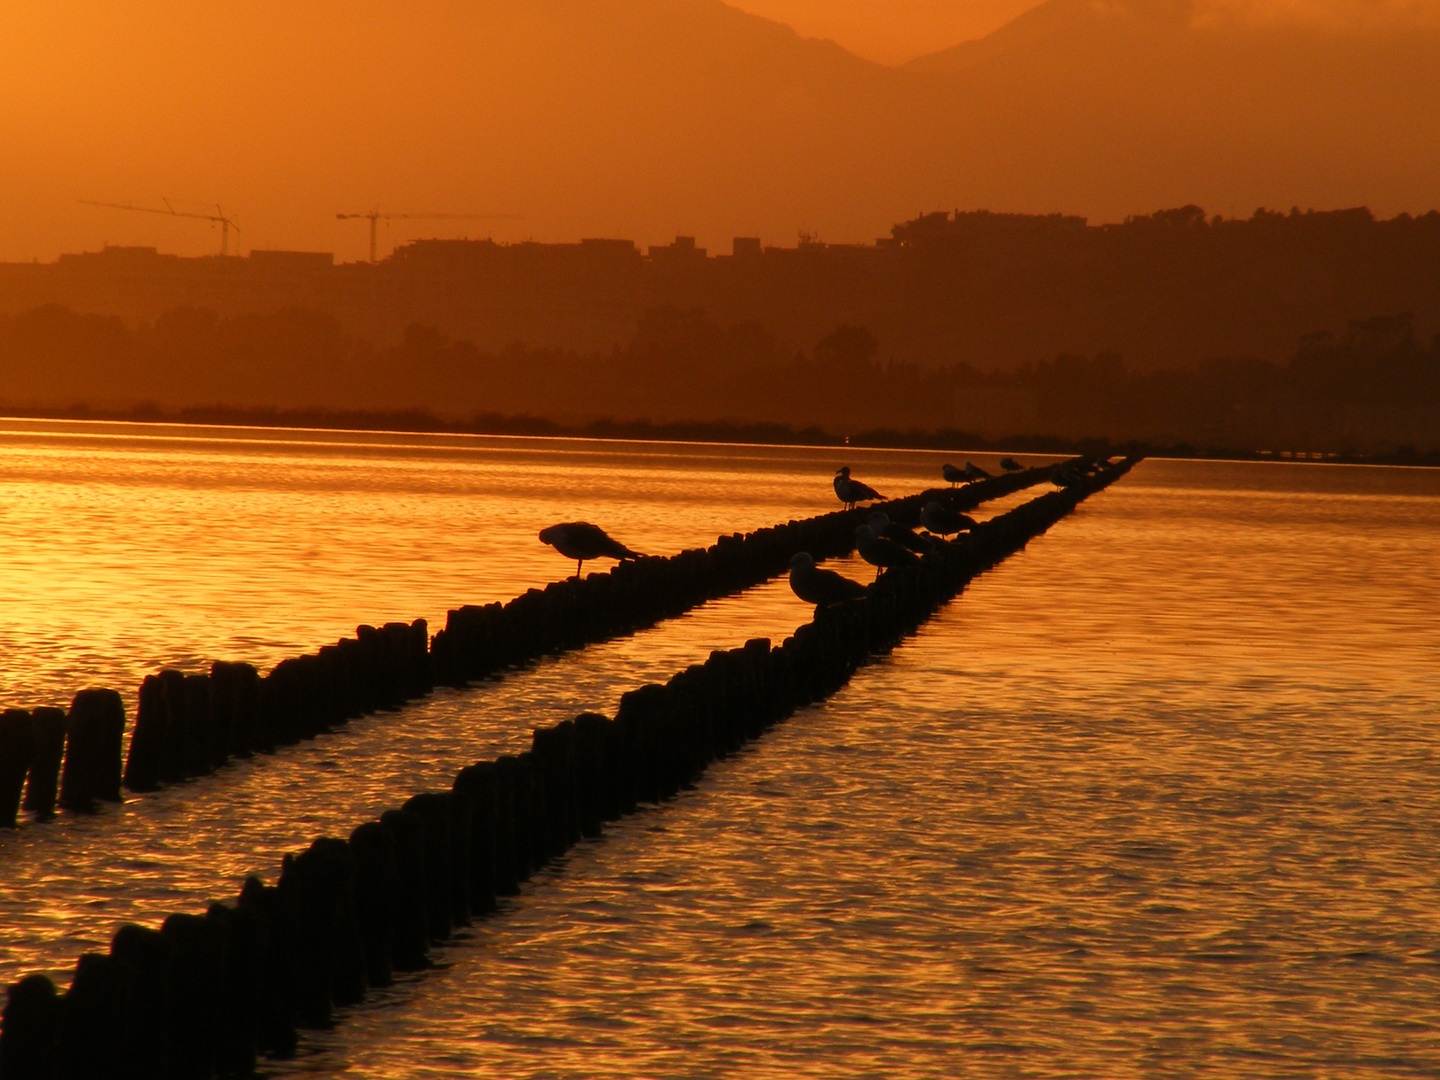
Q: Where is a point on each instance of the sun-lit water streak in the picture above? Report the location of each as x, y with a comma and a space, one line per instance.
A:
69, 883
127, 547
1158, 797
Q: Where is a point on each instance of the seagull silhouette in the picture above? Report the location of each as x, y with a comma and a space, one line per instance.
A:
850, 491
942, 521
820, 587
1070, 474
579, 540
882, 552
881, 525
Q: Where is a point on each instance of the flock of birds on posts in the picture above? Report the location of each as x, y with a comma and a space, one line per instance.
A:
883, 543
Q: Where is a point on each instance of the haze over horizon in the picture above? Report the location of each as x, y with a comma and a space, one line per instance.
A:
646, 119
663, 606
890, 33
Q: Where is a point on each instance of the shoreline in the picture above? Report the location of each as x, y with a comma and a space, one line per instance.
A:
424, 422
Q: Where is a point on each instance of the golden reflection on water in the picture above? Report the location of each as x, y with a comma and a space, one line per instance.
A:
125, 547
68, 884
1157, 797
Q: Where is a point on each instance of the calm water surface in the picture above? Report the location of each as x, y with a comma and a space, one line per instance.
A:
1160, 796
68, 884
127, 547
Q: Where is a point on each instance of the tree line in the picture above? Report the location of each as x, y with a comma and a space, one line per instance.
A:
1371, 389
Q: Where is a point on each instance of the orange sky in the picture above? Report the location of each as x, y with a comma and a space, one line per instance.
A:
649, 118
890, 31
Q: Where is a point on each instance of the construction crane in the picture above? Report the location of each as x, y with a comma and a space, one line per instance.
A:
225, 223
375, 216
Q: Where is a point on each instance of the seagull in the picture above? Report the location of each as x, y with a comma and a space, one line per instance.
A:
850, 491
579, 540
974, 472
953, 474
881, 525
943, 521
881, 552
821, 587
1067, 475
1009, 464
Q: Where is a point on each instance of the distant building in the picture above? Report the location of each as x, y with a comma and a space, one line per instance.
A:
683, 250
303, 262
618, 249
999, 290
115, 255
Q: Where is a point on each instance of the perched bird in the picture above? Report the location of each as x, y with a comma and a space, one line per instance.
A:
579, 540
850, 491
882, 552
974, 472
942, 521
1067, 475
952, 473
1009, 464
820, 587
881, 525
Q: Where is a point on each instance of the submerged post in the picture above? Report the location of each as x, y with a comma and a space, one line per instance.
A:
94, 733
17, 749
47, 725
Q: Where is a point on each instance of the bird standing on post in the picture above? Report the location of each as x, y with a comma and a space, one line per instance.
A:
881, 525
974, 472
1068, 474
579, 540
850, 491
952, 473
820, 587
942, 521
882, 552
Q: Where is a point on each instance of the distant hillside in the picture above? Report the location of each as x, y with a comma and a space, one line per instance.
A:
992, 290
1147, 102
1068, 29
641, 118
648, 118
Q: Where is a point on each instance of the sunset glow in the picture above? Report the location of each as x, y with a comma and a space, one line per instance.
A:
784, 539
645, 119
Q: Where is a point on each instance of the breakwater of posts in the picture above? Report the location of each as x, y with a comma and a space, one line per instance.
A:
207, 994
188, 725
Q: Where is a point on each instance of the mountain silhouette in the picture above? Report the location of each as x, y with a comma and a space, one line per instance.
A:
1154, 103
1056, 28
648, 118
